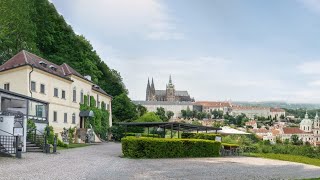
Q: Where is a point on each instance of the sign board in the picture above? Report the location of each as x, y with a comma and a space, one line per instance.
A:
218, 138
18, 131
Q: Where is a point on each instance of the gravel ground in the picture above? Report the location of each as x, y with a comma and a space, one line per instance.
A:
103, 162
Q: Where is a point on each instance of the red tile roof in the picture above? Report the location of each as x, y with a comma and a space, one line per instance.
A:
213, 104
260, 130
64, 71
293, 130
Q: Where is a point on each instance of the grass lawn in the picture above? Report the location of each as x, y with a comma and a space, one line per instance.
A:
70, 146
288, 157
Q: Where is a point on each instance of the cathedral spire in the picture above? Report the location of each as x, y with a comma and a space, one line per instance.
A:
148, 91
170, 80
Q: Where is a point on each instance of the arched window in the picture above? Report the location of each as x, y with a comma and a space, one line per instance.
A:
74, 95
73, 118
81, 96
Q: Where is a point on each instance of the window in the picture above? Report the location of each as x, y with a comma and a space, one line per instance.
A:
55, 92
81, 97
74, 95
7, 86
63, 94
55, 116
108, 107
73, 118
88, 97
65, 118
42, 88
39, 110
33, 86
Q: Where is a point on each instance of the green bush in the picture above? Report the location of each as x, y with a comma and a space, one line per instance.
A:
199, 136
168, 148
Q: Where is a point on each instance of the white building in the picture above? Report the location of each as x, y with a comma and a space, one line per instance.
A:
59, 85
175, 107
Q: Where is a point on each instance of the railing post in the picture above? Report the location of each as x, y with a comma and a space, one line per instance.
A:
35, 135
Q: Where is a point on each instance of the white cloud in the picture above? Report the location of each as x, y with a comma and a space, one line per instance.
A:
313, 5
311, 67
149, 18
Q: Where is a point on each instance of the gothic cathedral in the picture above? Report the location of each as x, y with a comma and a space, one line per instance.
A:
170, 94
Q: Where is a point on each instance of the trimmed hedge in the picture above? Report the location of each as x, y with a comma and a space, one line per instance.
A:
199, 136
168, 148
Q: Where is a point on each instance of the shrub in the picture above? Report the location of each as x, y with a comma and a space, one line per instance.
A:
229, 145
168, 148
199, 136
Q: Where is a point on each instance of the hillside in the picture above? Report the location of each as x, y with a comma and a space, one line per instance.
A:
36, 26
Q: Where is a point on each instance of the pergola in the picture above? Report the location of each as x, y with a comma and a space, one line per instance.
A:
173, 126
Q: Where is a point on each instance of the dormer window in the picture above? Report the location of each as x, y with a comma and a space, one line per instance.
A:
43, 64
53, 68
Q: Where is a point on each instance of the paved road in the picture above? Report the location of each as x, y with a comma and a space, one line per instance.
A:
103, 162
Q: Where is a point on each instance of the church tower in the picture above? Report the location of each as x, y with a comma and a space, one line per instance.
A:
170, 91
316, 122
153, 91
148, 91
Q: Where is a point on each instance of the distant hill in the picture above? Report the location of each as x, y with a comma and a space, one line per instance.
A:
280, 105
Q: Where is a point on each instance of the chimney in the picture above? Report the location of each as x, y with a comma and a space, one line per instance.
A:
87, 77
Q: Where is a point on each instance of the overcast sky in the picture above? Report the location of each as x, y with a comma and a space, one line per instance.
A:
217, 50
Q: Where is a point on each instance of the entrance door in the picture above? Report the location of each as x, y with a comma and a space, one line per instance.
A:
81, 122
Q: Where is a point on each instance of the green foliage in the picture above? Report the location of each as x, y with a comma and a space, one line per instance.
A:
36, 26
168, 148
123, 109
170, 114
141, 110
199, 136
31, 126
149, 117
50, 138
288, 157
229, 145
100, 121
295, 140
71, 134
117, 132
217, 114
162, 114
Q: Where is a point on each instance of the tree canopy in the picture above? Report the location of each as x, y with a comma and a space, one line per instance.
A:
36, 26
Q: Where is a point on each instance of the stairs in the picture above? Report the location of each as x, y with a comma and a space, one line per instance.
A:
33, 147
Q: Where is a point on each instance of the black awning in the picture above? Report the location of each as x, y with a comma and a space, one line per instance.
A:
86, 113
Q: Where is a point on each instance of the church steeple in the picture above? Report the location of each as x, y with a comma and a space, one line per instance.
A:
148, 91
170, 80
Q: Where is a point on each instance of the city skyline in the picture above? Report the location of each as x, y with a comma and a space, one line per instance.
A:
217, 50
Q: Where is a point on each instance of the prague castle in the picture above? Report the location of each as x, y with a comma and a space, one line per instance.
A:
170, 94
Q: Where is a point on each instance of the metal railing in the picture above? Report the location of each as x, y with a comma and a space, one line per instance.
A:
37, 137
7, 144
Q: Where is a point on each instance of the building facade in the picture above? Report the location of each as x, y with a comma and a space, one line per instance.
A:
170, 94
61, 86
175, 107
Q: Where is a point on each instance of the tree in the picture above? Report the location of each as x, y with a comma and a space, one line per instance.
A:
282, 116
141, 110
149, 117
184, 114
162, 114
170, 114
295, 139
123, 109
217, 114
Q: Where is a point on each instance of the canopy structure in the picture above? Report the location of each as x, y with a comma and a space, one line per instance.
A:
86, 114
229, 131
173, 126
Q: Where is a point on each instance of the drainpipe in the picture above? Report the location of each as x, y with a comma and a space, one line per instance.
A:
30, 80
